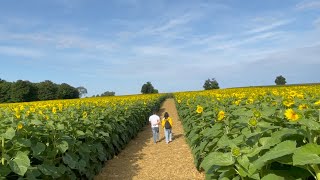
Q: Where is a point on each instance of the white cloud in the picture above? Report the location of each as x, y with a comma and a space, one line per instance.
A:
316, 22
20, 51
269, 26
308, 4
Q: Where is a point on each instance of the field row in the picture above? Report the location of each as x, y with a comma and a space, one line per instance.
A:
254, 133
68, 139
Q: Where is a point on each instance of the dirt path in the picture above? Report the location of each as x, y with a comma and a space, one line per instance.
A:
142, 159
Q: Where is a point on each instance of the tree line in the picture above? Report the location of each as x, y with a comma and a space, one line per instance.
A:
26, 91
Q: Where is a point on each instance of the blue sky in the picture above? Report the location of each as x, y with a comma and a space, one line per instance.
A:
176, 45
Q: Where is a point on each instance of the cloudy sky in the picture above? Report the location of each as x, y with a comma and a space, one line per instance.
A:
118, 45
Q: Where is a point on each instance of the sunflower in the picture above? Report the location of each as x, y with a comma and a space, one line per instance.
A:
303, 106
236, 151
253, 122
54, 110
291, 115
84, 114
221, 115
199, 109
20, 126
288, 103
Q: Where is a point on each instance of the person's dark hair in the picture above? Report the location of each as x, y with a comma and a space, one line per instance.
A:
166, 115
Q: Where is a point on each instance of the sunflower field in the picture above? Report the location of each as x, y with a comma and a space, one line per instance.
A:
68, 139
254, 133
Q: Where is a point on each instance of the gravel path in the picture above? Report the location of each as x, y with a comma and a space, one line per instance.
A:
142, 159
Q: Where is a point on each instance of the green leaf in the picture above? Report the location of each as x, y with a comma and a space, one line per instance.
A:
38, 148
49, 170
4, 170
70, 159
273, 177
268, 142
80, 133
307, 154
9, 134
217, 158
32, 174
36, 122
20, 163
60, 126
311, 124
282, 149
23, 142
63, 146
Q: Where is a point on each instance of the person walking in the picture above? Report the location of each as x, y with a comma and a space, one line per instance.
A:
167, 125
154, 120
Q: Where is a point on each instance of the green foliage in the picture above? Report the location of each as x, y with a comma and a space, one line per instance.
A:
47, 90
82, 91
211, 84
108, 93
65, 91
148, 88
69, 145
5, 91
255, 139
23, 91
280, 80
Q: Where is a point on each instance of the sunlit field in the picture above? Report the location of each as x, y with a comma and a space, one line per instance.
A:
242, 133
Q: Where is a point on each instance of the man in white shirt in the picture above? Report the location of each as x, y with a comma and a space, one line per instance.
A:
154, 122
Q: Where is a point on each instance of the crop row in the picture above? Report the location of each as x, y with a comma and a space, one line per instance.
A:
68, 139
254, 133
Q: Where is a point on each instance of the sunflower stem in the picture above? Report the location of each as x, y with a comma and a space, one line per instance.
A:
316, 170
2, 149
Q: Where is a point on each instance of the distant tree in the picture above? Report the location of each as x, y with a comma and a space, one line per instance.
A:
82, 91
23, 91
108, 93
2, 81
5, 89
47, 90
65, 91
280, 80
211, 84
148, 88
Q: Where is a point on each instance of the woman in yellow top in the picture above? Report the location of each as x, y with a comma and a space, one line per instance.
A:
167, 125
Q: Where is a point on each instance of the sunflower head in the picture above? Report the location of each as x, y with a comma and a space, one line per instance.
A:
199, 109
236, 151
303, 106
253, 122
221, 115
291, 115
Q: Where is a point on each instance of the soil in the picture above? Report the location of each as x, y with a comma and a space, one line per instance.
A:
142, 159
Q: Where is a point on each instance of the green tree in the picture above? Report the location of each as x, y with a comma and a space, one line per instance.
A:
2, 81
47, 90
148, 88
82, 91
280, 80
211, 84
23, 91
5, 91
65, 91
108, 93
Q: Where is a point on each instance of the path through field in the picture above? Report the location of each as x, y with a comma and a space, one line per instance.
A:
142, 159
